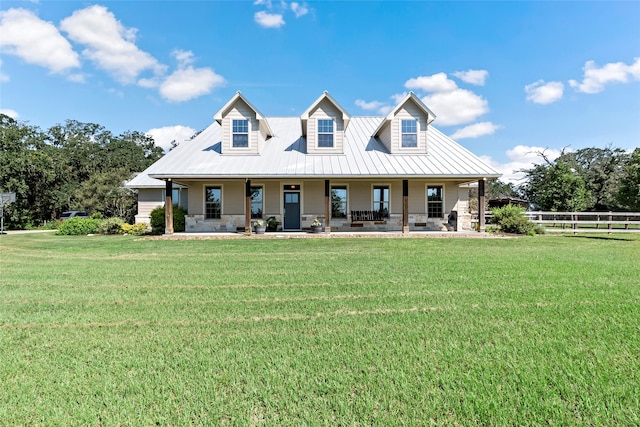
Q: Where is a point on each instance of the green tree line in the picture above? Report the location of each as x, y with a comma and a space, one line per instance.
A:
75, 166
589, 179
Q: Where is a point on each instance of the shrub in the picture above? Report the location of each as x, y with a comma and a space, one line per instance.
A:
111, 226
511, 219
157, 219
138, 229
78, 226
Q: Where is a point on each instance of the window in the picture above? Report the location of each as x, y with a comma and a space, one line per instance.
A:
240, 133
409, 133
212, 202
435, 197
381, 200
339, 202
256, 202
325, 132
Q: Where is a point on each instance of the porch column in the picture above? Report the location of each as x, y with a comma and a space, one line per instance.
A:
481, 212
247, 208
327, 206
405, 206
168, 207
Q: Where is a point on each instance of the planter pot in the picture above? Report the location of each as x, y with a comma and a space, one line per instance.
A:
315, 229
260, 230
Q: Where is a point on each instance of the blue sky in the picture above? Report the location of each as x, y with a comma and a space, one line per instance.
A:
505, 79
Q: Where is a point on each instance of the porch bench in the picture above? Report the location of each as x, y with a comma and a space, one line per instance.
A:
359, 217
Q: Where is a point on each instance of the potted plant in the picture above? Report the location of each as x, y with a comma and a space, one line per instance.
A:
259, 226
272, 223
316, 226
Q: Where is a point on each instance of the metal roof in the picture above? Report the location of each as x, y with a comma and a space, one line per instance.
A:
284, 156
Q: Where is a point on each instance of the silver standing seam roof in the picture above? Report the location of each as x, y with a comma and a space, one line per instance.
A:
284, 156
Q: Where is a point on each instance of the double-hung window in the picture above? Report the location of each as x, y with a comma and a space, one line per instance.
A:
339, 202
240, 133
409, 133
381, 200
256, 202
325, 132
212, 202
435, 199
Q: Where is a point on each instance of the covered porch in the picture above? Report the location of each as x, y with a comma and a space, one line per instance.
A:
342, 206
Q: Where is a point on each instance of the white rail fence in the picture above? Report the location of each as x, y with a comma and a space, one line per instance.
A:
609, 222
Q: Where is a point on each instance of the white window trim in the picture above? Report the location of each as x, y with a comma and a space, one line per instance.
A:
204, 201
248, 147
426, 199
402, 133
388, 185
335, 126
263, 193
347, 211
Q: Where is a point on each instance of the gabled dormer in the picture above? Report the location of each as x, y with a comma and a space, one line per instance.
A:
324, 125
404, 129
244, 128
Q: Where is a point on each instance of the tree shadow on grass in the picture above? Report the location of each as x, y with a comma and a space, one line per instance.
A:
623, 239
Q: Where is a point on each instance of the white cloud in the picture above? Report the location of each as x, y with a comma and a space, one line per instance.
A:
188, 83
164, 136
372, 105
76, 78
476, 130
380, 107
521, 157
452, 105
269, 20
457, 107
436, 83
299, 9
110, 45
9, 112
36, 41
474, 77
596, 78
544, 93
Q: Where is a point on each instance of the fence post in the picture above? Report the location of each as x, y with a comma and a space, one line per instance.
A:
610, 219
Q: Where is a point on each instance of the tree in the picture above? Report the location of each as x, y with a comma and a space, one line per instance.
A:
629, 190
71, 166
602, 170
555, 186
27, 168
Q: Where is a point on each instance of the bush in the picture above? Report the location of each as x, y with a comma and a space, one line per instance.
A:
157, 219
138, 229
78, 226
111, 226
511, 219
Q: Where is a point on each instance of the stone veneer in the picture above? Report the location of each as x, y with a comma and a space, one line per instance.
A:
232, 223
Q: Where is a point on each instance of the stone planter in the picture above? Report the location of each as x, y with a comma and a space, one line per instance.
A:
316, 229
260, 229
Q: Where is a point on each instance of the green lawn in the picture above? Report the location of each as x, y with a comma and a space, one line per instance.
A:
118, 331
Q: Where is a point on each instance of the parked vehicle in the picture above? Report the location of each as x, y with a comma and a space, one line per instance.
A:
73, 214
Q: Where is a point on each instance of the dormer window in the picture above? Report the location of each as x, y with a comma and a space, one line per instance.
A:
409, 133
240, 133
325, 132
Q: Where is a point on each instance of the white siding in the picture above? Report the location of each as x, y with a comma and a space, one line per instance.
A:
412, 112
325, 110
239, 111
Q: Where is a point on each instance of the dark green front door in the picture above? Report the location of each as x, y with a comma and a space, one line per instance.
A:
291, 210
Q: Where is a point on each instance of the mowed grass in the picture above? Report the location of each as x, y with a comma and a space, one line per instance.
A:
118, 331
